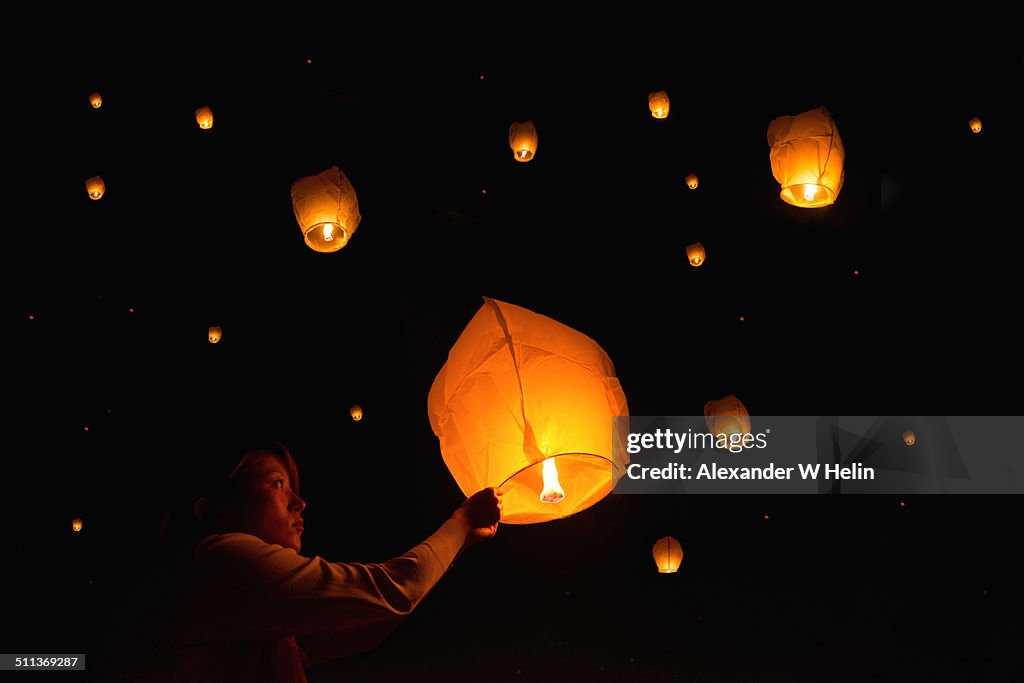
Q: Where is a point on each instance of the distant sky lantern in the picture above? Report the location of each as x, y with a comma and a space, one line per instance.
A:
691, 181
695, 254
95, 100
975, 124
327, 210
204, 117
727, 416
95, 187
807, 158
658, 103
526, 403
522, 137
214, 334
668, 555
909, 437
356, 412
76, 524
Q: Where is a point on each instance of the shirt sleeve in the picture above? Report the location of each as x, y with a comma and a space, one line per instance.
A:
246, 589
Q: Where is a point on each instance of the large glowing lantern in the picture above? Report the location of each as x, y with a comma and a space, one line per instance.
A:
522, 137
95, 100
975, 124
691, 181
807, 158
327, 209
727, 416
695, 254
95, 187
204, 117
909, 437
214, 334
356, 412
668, 555
526, 403
658, 104
76, 524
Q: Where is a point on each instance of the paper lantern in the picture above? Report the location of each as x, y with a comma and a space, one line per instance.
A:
668, 555
95, 100
76, 524
909, 437
526, 403
727, 416
695, 254
95, 187
691, 181
975, 124
807, 158
214, 335
658, 103
356, 412
204, 117
327, 210
522, 137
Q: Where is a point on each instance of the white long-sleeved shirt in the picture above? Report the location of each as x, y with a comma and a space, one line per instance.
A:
255, 611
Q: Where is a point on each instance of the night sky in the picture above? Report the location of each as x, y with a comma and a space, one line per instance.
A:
894, 301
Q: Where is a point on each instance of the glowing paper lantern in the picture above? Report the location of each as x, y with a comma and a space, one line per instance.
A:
214, 335
356, 412
807, 158
668, 555
658, 103
95, 100
522, 137
909, 437
76, 524
691, 181
975, 124
204, 117
727, 416
327, 210
526, 403
95, 187
695, 254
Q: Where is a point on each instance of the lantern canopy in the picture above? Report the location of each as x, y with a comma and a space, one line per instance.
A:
95, 100
668, 555
76, 524
356, 412
695, 254
204, 117
95, 187
909, 437
214, 334
727, 416
691, 181
807, 158
522, 137
526, 403
658, 104
975, 124
327, 210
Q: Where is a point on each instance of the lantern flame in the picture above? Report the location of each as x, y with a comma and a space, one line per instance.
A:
522, 153
809, 192
552, 492
328, 232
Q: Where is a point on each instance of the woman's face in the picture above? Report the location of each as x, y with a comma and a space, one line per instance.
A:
266, 505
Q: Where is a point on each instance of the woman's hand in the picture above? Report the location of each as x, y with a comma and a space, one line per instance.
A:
480, 514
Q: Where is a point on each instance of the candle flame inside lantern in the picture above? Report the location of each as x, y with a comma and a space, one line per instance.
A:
809, 192
552, 492
328, 232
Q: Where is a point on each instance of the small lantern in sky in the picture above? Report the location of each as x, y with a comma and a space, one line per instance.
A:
95, 187
95, 100
327, 210
695, 254
76, 524
356, 412
522, 137
658, 103
526, 403
691, 181
204, 117
668, 555
975, 124
727, 416
909, 437
807, 158
214, 334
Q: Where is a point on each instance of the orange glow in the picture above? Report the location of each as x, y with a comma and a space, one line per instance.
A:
766, 516
975, 124
668, 555
695, 254
902, 504
204, 117
214, 334
76, 524
31, 317
326, 209
657, 102
691, 181
807, 158
95, 187
727, 416
356, 412
909, 437
552, 492
522, 138
95, 100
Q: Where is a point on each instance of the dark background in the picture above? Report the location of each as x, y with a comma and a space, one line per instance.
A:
113, 299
